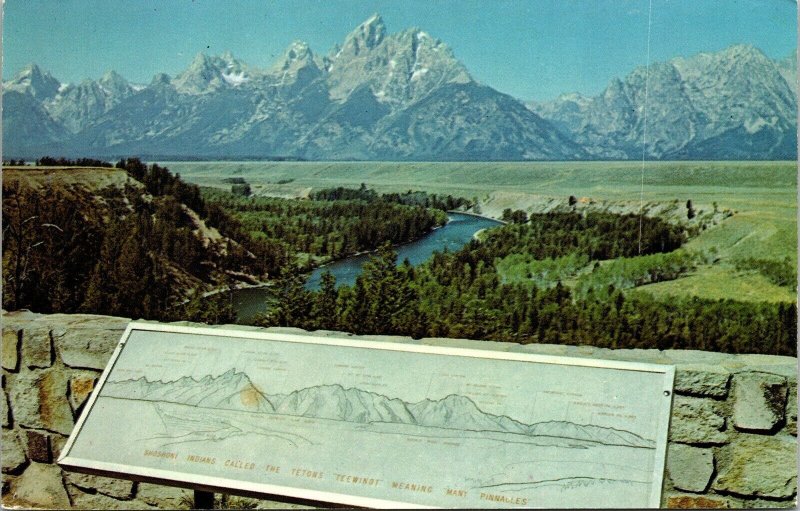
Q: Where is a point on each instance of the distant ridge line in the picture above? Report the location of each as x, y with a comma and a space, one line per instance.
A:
233, 390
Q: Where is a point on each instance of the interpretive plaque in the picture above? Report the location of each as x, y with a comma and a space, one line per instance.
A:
371, 423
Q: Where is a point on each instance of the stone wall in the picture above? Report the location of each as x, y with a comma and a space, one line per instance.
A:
732, 440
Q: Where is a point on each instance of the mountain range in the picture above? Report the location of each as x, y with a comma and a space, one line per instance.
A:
734, 104
405, 96
233, 390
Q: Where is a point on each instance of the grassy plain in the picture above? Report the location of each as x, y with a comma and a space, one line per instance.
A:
762, 196
90, 178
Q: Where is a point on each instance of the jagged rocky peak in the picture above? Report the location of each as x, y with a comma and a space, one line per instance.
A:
399, 68
32, 80
736, 52
706, 105
160, 79
112, 77
430, 55
230, 374
788, 69
574, 97
790, 60
210, 73
77, 105
725, 64
198, 76
297, 63
743, 51
232, 380
570, 105
296, 52
229, 65
614, 87
367, 35
114, 83
754, 82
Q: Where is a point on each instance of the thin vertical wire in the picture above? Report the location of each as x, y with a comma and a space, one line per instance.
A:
644, 136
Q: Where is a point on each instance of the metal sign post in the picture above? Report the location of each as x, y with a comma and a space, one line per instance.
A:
203, 500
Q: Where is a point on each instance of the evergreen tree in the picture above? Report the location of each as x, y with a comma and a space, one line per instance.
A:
293, 304
324, 309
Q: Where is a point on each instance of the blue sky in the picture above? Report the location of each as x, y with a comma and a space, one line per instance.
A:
532, 49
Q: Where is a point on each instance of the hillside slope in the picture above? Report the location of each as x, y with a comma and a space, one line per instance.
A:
100, 240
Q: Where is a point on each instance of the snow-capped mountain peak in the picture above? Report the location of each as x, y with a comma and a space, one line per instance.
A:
32, 80
114, 83
367, 35
293, 70
209, 73
298, 51
399, 68
297, 64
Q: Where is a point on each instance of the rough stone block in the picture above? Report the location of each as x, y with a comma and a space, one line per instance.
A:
690, 468
759, 400
86, 348
117, 488
696, 421
40, 486
10, 350
271, 504
57, 444
81, 385
236, 502
37, 348
14, 458
39, 446
791, 409
702, 380
7, 480
82, 500
773, 364
165, 497
696, 502
759, 466
771, 504
8, 419
39, 401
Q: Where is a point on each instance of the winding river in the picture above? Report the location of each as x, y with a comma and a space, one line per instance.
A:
458, 231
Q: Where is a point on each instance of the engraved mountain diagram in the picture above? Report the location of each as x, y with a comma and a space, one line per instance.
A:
233, 390
229, 391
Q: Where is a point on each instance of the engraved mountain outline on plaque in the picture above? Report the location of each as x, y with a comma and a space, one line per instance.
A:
234, 391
